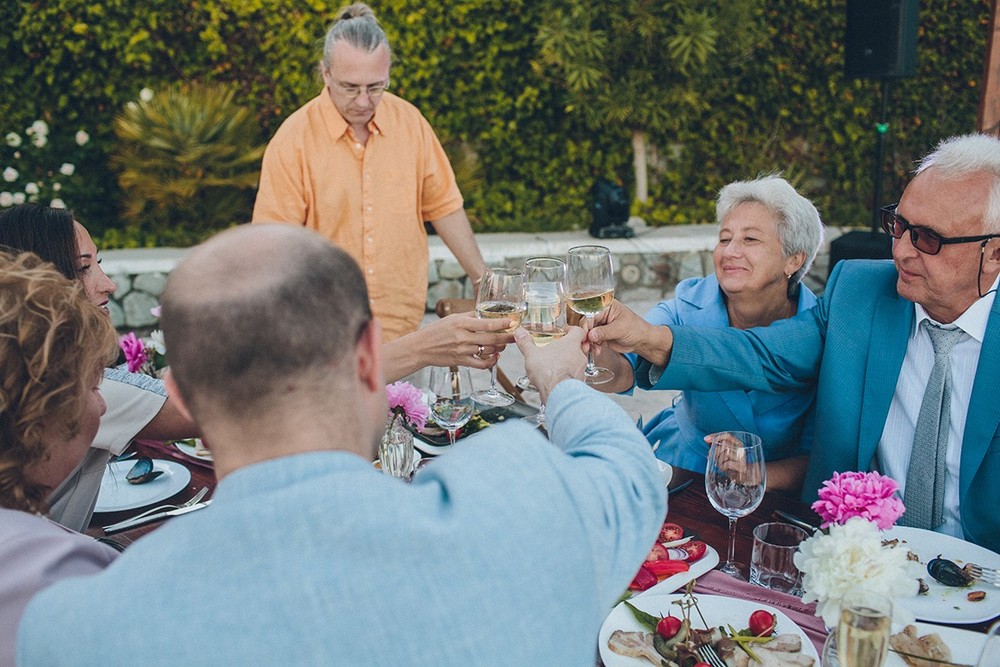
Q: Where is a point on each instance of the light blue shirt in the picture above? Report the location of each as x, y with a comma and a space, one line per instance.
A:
506, 551
784, 421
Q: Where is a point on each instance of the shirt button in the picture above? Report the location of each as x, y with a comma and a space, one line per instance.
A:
370, 239
369, 208
371, 270
357, 145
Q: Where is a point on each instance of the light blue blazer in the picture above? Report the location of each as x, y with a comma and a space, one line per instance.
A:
782, 420
851, 347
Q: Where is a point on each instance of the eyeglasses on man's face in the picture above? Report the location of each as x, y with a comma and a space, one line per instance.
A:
353, 90
923, 239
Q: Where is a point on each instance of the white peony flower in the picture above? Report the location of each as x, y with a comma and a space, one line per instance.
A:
57, 203
10, 174
852, 556
67, 169
39, 127
82, 138
131, 106
146, 95
13, 139
31, 189
39, 140
156, 341
6, 199
56, 187
19, 198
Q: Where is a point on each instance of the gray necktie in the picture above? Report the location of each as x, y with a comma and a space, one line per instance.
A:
924, 498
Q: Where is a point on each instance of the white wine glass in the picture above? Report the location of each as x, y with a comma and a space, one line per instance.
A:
501, 294
545, 312
735, 478
590, 288
990, 655
863, 629
452, 405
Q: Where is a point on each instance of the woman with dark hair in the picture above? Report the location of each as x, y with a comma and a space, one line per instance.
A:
138, 406
53, 346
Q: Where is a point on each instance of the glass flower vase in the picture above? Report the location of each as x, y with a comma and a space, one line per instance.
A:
395, 451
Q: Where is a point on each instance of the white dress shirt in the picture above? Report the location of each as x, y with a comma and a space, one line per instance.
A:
896, 443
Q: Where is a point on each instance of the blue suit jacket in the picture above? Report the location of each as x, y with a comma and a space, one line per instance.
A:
851, 346
782, 420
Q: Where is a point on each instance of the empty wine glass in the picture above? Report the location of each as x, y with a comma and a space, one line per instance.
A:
990, 655
863, 629
501, 294
734, 481
590, 285
452, 405
545, 312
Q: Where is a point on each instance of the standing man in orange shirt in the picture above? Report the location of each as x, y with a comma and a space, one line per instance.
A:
364, 168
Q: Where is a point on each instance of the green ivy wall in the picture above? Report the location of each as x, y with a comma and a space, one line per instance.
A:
524, 161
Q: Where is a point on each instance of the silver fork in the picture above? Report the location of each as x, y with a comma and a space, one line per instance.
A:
708, 654
187, 503
985, 574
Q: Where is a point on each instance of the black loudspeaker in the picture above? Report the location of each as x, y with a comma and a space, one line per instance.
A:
881, 39
860, 245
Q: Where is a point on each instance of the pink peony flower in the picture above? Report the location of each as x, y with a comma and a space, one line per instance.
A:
135, 351
868, 495
407, 401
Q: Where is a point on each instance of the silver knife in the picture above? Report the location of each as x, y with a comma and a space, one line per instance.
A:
796, 521
132, 523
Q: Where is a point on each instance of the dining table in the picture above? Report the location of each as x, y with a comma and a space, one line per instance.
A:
689, 507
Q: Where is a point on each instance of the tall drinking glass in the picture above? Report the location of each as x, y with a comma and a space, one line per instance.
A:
590, 286
990, 655
452, 405
545, 312
864, 628
501, 294
734, 481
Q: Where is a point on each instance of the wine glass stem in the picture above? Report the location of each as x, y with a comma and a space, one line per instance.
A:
731, 555
591, 366
493, 379
451, 435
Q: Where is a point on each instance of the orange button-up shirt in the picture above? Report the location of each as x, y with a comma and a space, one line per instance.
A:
370, 199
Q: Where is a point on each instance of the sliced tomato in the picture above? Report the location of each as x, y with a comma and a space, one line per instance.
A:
670, 532
666, 568
695, 550
658, 552
644, 578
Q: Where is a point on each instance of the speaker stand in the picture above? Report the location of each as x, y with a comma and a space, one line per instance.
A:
881, 129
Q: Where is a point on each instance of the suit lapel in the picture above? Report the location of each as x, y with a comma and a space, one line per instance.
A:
983, 417
893, 319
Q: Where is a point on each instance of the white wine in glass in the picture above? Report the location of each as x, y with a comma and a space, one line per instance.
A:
735, 478
863, 630
452, 406
545, 312
590, 289
501, 294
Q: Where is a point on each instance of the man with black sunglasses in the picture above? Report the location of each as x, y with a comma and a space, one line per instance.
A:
904, 354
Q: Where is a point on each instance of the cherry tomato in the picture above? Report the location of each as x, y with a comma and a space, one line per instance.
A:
762, 623
695, 550
668, 626
670, 532
701, 664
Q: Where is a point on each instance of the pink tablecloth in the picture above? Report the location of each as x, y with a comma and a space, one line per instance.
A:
803, 615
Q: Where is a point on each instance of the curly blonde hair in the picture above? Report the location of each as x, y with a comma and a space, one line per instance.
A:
53, 341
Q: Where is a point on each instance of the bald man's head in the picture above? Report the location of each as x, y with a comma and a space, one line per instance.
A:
258, 309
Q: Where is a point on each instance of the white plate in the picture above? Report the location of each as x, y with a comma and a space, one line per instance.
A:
117, 494
947, 604
965, 645
192, 451
717, 610
677, 581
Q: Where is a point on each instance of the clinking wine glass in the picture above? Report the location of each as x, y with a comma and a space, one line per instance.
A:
735, 478
590, 286
501, 294
545, 312
863, 629
990, 655
452, 405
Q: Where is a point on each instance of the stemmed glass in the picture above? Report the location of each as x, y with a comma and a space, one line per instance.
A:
864, 628
990, 656
734, 481
545, 312
501, 294
452, 405
590, 284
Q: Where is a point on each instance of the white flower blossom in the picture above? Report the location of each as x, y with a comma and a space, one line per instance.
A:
10, 174
31, 189
82, 138
852, 556
19, 198
17, 155
131, 106
39, 140
146, 95
67, 169
13, 139
39, 127
57, 203
6, 199
157, 343
56, 187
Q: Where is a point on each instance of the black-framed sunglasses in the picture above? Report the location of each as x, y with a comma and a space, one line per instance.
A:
923, 239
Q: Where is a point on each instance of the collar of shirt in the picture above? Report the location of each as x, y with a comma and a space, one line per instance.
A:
336, 122
973, 321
